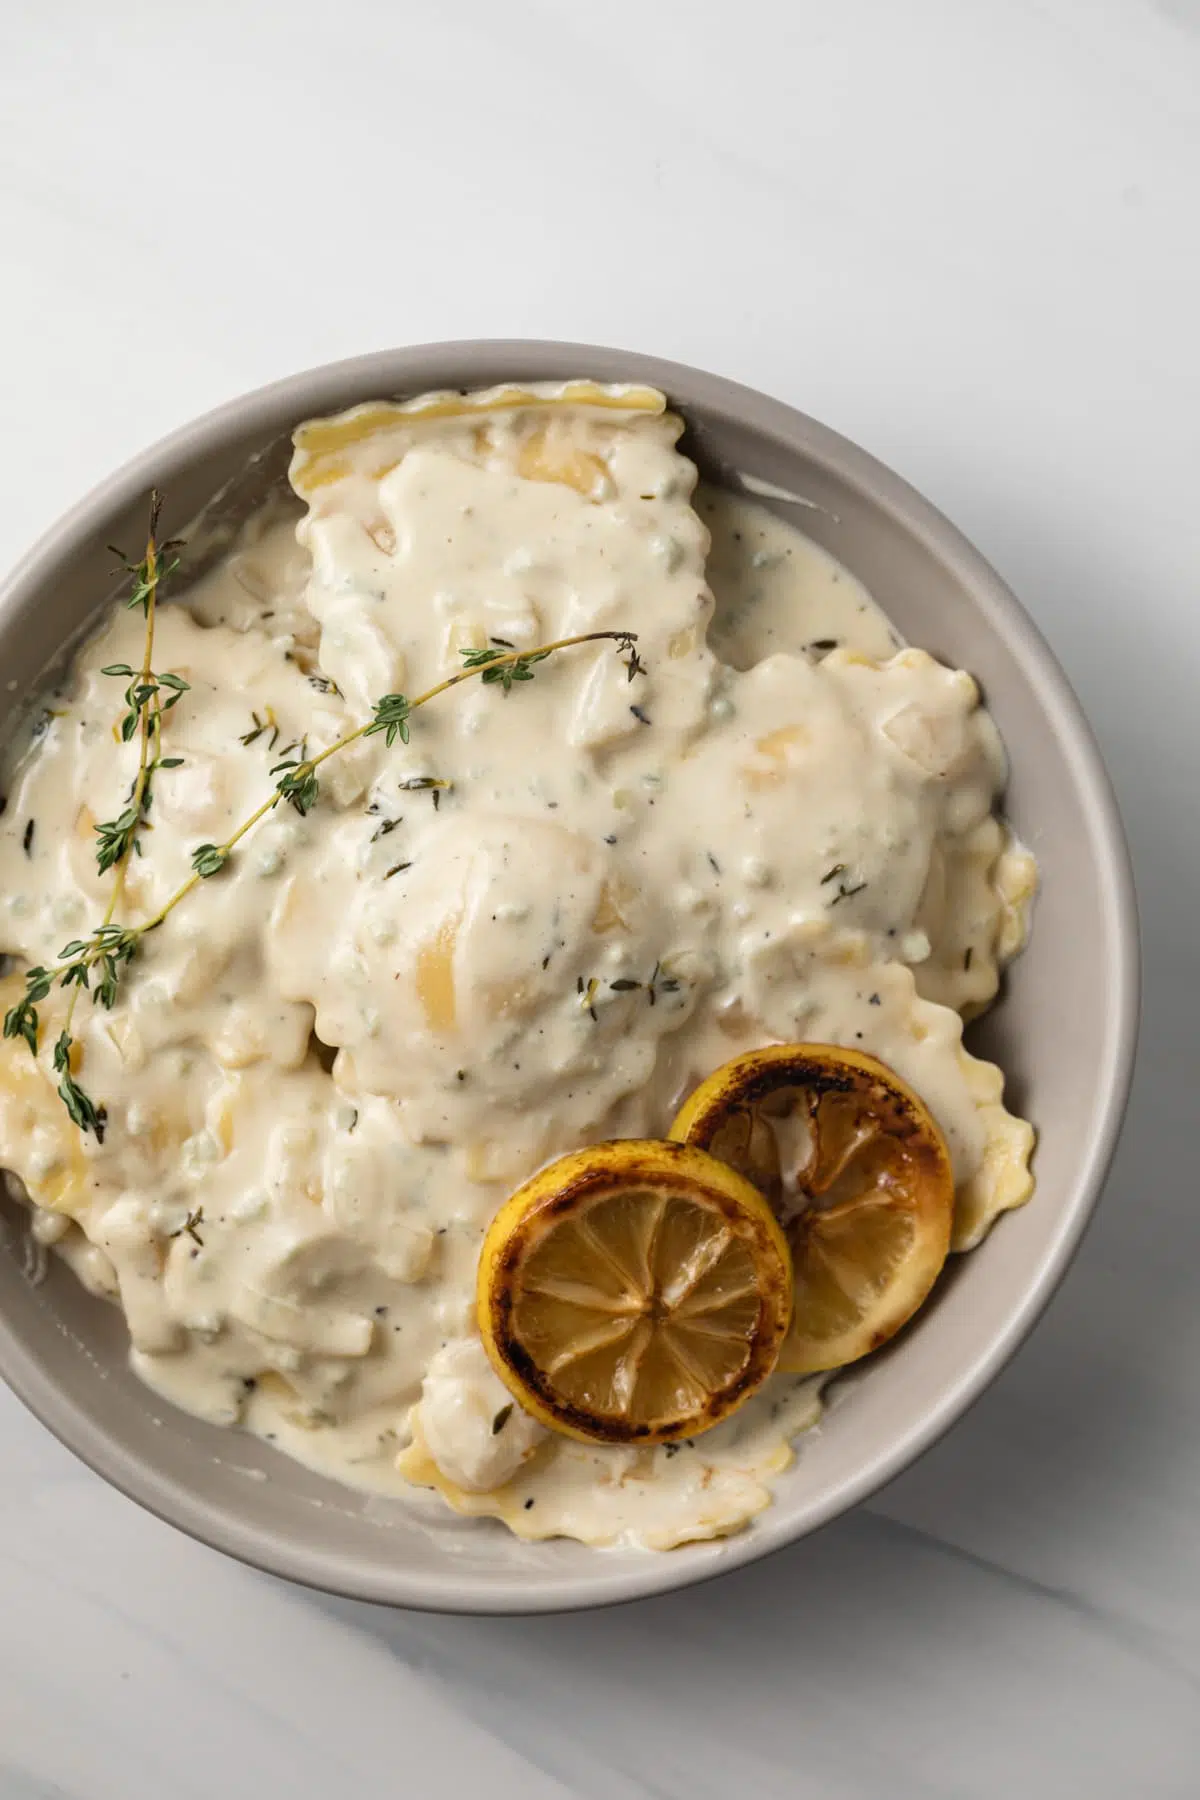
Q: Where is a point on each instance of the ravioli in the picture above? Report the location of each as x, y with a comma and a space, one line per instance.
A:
535, 923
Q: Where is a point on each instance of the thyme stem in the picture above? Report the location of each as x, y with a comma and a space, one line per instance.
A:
149, 727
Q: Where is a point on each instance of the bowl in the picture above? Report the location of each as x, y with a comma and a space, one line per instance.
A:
1064, 1030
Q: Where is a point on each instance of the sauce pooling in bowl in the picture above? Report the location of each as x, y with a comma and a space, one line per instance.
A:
534, 925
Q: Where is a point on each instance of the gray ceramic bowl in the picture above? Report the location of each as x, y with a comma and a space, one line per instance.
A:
1064, 1031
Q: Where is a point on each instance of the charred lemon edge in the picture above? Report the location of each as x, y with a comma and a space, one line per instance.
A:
586, 1176
753, 1077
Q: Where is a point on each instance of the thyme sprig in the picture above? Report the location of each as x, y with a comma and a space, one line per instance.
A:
98, 962
148, 697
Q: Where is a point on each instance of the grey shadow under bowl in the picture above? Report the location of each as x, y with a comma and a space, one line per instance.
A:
1064, 1031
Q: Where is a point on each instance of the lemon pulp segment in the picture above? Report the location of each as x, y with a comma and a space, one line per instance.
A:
859, 1172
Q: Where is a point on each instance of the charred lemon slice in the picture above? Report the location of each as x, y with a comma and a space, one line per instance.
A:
634, 1292
858, 1171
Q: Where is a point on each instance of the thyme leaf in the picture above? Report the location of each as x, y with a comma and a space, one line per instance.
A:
298, 785
194, 1219
391, 717
208, 859
504, 667
82, 1108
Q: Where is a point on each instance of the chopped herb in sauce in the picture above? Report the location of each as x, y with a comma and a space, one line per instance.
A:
660, 984
493, 824
194, 1219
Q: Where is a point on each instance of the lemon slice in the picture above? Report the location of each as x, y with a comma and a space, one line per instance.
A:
855, 1165
634, 1292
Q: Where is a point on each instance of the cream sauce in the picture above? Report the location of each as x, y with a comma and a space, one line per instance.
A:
329, 1065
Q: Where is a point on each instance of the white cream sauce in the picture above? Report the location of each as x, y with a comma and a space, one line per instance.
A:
328, 1067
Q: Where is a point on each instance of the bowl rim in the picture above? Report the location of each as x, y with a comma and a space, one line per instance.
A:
274, 407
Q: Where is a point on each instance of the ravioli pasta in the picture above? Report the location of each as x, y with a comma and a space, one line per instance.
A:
536, 924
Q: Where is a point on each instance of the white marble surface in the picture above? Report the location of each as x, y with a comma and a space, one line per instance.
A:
964, 232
